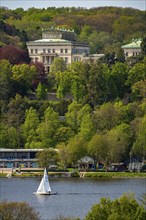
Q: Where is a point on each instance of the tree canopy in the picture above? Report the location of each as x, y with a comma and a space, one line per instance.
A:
94, 108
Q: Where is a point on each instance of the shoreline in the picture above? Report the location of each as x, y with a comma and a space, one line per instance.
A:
88, 174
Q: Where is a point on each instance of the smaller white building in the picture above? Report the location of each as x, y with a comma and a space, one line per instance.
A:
132, 49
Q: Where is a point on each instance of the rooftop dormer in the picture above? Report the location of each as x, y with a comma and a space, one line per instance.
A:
59, 33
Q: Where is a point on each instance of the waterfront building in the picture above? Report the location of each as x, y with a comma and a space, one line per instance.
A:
16, 158
57, 42
133, 48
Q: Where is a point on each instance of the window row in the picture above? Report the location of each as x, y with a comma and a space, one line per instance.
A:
35, 59
133, 53
49, 60
49, 50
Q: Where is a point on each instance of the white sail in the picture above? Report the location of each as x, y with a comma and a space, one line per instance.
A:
44, 186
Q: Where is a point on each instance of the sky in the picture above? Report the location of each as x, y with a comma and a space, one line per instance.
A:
13, 4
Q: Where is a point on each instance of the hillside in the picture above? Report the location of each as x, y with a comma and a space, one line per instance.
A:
105, 114
100, 27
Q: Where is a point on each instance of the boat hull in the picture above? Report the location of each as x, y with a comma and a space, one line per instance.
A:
45, 193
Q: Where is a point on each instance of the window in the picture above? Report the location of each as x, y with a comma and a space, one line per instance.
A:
36, 50
48, 60
49, 51
66, 59
36, 59
53, 50
43, 59
31, 50
75, 59
61, 50
66, 50
44, 51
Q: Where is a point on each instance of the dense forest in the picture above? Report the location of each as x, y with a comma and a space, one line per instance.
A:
103, 28
99, 107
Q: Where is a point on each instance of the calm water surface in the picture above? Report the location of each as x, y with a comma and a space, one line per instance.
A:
75, 195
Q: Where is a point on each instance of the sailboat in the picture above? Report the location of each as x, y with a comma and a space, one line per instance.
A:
44, 187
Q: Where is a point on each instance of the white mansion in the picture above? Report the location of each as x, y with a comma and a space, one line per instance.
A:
57, 43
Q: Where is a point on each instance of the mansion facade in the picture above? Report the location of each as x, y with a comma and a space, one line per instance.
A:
133, 48
57, 43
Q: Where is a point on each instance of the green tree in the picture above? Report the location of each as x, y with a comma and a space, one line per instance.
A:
119, 141
125, 207
29, 128
121, 112
139, 147
74, 81
4, 139
139, 90
63, 134
85, 110
72, 116
41, 91
117, 80
137, 73
97, 41
105, 117
87, 127
47, 157
47, 128
63, 155
63, 80
142, 199
113, 53
97, 91
143, 45
23, 76
76, 148
98, 148
79, 79
15, 114
58, 65
13, 138
85, 32
85, 122
5, 80
122, 27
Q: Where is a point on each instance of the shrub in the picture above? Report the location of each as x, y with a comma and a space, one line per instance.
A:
17, 211
125, 207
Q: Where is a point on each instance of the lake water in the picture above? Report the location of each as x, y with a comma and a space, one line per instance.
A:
75, 195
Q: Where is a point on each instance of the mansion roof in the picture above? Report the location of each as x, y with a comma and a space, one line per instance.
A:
136, 43
56, 42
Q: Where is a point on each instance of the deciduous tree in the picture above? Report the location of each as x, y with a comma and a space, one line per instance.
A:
139, 147
48, 128
23, 76
41, 91
98, 148
5, 80
47, 157
125, 207
14, 54
119, 141
17, 211
29, 128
